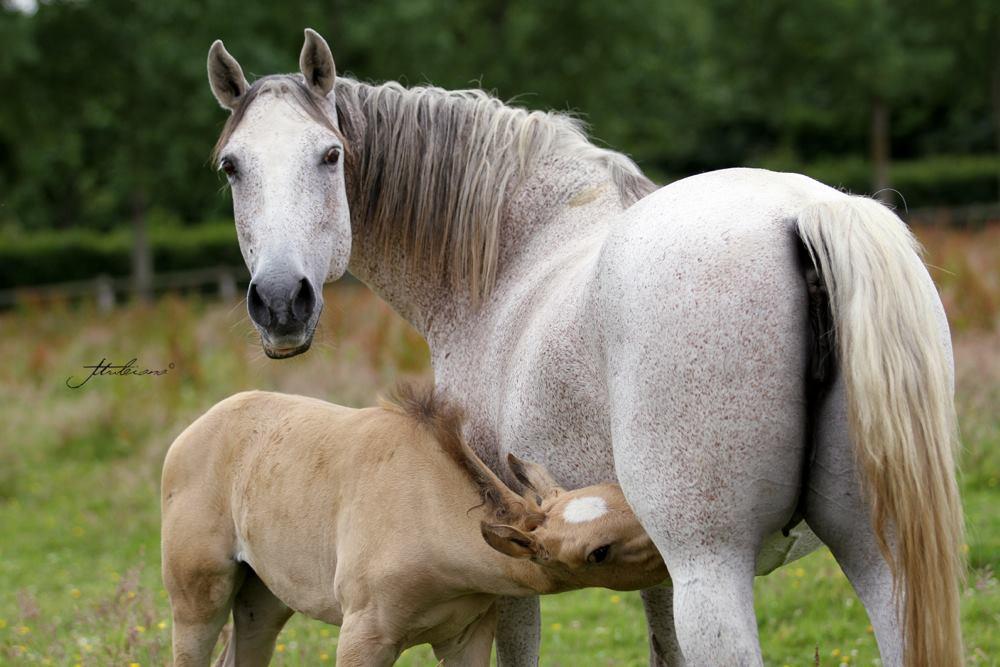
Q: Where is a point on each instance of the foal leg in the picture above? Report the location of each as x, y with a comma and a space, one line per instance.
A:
258, 617
663, 649
201, 595
837, 512
519, 632
473, 649
362, 644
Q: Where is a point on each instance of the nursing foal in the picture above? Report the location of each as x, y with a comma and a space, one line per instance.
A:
379, 520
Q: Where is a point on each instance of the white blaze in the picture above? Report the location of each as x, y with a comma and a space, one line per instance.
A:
583, 509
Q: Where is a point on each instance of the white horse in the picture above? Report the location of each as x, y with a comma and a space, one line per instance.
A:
740, 349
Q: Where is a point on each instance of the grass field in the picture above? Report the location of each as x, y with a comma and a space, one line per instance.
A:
79, 475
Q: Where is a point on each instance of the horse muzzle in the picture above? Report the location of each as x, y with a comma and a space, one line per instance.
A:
284, 308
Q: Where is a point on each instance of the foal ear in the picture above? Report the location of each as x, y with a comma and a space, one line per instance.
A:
316, 63
509, 540
533, 476
225, 76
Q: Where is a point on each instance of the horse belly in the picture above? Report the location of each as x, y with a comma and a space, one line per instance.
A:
555, 402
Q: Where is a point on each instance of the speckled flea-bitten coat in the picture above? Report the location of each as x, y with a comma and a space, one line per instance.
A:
663, 336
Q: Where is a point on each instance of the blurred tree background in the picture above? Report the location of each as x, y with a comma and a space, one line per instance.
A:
107, 120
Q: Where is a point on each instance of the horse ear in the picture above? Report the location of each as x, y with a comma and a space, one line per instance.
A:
225, 76
534, 477
316, 63
509, 540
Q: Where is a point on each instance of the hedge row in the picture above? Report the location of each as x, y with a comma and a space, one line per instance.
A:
939, 181
47, 257
58, 256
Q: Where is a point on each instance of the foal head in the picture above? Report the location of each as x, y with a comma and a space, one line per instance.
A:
283, 155
586, 537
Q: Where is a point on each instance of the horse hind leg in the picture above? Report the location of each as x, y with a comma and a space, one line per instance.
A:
837, 512
258, 617
709, 547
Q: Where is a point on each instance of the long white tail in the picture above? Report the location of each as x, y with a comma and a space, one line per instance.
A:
897, 368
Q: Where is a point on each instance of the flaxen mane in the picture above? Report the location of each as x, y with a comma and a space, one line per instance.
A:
434, 168
429, 170
443, 418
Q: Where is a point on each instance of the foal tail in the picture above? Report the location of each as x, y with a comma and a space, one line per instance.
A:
897, 369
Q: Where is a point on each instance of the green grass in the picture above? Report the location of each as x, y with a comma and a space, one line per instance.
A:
79, 476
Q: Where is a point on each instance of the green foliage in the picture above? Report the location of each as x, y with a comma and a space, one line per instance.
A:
51, 256
108, 112
936, 181
79, 254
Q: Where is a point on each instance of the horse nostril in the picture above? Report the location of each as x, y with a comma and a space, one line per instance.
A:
303, 301
259, 312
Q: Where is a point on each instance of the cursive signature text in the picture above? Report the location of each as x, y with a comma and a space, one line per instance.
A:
105, 367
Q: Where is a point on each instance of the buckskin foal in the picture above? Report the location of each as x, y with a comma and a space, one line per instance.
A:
379, 520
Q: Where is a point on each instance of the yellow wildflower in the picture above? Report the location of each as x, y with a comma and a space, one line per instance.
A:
280, 648
615, 599
74, 593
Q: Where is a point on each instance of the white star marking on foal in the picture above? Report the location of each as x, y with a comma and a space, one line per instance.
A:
583, 509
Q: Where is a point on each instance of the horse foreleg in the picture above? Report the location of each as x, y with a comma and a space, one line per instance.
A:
519, 632
663, 649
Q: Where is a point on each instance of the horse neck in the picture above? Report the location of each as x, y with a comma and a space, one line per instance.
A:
537, 209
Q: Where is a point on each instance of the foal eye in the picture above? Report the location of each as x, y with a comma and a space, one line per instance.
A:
228, 167
599, 555
332, 156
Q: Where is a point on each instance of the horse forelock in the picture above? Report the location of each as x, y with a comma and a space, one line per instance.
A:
433, 169
292, 88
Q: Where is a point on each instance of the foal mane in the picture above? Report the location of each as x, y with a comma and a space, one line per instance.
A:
434, 168
429, 408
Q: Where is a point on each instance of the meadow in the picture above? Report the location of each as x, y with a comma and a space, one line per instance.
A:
79, 476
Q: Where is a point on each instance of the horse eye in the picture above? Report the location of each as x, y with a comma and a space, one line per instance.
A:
599, 555
332, 156
228, 167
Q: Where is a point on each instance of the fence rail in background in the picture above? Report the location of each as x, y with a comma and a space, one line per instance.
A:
959, 217
227, 281
106, 291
